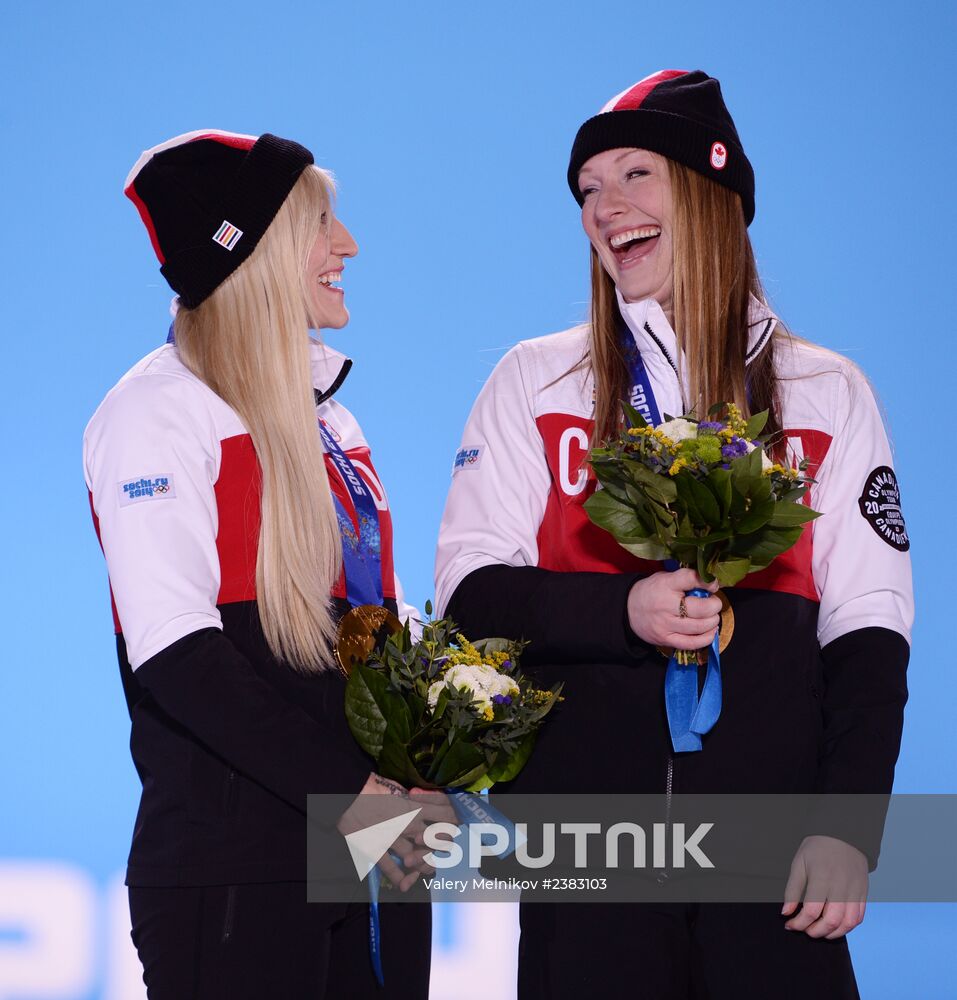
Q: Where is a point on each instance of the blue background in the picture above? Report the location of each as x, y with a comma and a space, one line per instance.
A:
449, 127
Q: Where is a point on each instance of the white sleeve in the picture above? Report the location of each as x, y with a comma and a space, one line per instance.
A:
407, 612
500, 483
861, 561
151, 458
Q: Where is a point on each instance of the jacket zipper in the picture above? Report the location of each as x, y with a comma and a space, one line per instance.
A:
664, 351
665, 874
230, 793
230, 910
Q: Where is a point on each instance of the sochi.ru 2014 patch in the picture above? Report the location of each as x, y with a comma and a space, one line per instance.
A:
467, 458
159, 487
880, 504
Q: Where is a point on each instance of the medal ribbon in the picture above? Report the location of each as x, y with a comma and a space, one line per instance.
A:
690, 716
362, 550
641, 395
469, 808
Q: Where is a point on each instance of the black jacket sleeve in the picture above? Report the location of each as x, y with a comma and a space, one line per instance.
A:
565, 617
865, 690
206, 685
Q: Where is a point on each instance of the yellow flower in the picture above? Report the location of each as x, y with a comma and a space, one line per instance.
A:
677, 465
488, 714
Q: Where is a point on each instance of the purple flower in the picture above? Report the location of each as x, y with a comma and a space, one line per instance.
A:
507, 665
502, 699
710, 427
735, 448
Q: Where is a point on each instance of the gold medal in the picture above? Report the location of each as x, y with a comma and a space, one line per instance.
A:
726, 630
358, 632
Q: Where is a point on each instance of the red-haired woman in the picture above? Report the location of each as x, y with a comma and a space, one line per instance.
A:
814, 678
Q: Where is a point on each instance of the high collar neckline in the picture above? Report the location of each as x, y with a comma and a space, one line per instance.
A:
652, 332
329, 369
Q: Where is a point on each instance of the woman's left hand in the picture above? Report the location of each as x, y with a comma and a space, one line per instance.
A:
829, 881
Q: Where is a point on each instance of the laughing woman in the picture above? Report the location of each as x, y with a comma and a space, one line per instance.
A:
679, 322
241, 516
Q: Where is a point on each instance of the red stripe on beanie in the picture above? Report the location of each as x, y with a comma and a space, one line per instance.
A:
130, 193
632, 99
236, 141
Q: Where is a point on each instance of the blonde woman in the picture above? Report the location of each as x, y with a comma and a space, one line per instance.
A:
815, 674
241, 516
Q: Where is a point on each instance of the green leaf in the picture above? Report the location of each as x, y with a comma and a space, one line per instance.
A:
697, 495
394, 762
548, 705
731, 569
508, 768
614, 516
480, 784
765, 546
787, 515
637, 472
756, 424
719, 482
703, 566
485, 647
755, 518
632, 417
707, 538
366, 701
428, 608
706, 500
649, 549
461, 759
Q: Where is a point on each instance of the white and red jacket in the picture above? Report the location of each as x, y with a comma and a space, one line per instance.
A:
517, 556
521, 478
227, 740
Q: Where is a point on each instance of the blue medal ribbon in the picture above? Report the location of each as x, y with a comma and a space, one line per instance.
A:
362, 561
690, 716
469, 808
362, 548
640, 395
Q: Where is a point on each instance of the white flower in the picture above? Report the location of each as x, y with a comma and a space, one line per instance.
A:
766, 462
679, 429
481, 681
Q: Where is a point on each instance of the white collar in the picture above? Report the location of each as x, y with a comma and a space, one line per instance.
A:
329, 367
652, 331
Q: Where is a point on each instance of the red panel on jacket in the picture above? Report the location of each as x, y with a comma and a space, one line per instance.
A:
569, 542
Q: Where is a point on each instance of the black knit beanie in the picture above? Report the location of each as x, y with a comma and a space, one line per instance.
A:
678, 114
207, 198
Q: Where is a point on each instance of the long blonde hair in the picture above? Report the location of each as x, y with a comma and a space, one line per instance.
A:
714, 276
249, 343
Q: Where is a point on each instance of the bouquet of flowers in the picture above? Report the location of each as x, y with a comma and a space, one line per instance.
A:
704, 493
445, 712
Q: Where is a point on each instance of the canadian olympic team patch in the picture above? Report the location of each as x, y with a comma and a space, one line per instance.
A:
159, 487
880, 505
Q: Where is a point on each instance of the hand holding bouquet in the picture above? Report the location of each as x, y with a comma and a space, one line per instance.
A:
446, 712
707, 495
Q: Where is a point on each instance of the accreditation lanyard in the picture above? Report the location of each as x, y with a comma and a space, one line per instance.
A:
640, 393
362, 548
690, 715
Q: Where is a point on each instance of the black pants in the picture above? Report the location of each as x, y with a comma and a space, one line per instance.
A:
673, 951
263, 941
